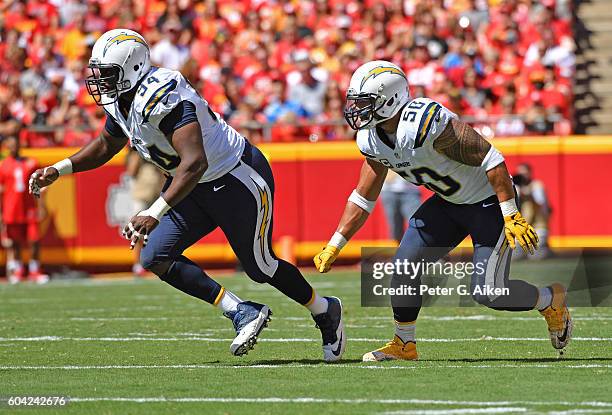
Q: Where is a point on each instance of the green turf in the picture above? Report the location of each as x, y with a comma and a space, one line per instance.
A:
483, 372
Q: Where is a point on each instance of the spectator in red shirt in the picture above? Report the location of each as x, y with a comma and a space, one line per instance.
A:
20, 214
252, 43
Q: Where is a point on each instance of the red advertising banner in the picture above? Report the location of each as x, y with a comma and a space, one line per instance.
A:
313, 181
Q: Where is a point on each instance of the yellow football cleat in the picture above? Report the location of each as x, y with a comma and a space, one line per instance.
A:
558, 318
394, 350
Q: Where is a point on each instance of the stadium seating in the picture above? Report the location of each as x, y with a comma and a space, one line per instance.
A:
278, 70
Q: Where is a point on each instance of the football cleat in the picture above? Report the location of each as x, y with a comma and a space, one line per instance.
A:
558, 317
332, 330
249, 320
396, 349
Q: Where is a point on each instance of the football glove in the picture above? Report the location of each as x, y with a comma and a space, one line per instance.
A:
517, 227
324, 259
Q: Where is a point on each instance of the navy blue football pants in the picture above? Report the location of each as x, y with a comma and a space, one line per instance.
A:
436, 228
241, 204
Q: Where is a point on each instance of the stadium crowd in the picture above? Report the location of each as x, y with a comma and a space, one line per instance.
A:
504, 65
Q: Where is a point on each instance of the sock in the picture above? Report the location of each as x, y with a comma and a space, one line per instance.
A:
317, 304
34, 266
188, 277
405, 331
544, 298
227, 301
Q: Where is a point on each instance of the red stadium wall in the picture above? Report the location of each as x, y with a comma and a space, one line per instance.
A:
312, 184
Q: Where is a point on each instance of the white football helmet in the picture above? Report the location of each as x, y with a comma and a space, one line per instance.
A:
119, 59
377, 91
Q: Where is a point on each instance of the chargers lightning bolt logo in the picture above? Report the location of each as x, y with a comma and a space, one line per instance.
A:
122, 37
265, 208
373, 73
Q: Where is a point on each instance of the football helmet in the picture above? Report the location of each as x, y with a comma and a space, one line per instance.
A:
119, 59
377, 91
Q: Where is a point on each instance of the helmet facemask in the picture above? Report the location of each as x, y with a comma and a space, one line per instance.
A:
106, 83
361, 109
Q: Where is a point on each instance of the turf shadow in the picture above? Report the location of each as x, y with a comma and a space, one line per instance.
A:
280, 362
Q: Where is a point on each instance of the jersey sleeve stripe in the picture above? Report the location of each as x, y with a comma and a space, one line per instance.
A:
156, 97
366, 154
426, 123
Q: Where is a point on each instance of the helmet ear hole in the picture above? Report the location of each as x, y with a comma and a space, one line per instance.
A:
136, 67
390, 102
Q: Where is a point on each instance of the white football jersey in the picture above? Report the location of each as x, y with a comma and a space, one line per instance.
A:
159, 92
414, 158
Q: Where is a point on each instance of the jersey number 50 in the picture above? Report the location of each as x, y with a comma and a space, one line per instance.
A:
432, 179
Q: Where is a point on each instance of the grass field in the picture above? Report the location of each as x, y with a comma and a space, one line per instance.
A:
139, 347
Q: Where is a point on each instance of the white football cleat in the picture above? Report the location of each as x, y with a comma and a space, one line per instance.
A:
249, 320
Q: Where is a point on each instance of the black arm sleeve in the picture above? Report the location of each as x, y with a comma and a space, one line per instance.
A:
112, 127
183, 114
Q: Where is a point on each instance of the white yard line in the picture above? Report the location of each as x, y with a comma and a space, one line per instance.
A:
466, 318
415, 366
312, 400
290, 318
459, 411
118, 318
580, 412
285, 340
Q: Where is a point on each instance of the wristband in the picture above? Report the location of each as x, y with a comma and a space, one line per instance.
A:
508, 207
362, 202
338, 240
157, 209
63, 167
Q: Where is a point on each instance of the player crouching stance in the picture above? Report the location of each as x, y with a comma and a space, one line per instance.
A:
427, 145
215, 179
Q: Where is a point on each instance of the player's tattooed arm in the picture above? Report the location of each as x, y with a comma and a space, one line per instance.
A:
371, 180
462, 143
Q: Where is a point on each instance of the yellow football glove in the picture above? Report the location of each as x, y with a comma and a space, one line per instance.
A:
517, 227
324, 259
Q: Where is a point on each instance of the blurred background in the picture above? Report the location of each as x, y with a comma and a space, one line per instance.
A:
531, 75
278, 69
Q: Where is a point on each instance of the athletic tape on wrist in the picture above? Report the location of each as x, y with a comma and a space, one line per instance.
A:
157, 209
508, 207
338, 240
63, 167
362, 202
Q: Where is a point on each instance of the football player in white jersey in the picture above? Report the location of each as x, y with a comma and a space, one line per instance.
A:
427, 145
215, 179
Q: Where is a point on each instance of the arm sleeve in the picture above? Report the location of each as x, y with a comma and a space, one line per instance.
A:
112, 127
182, 114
